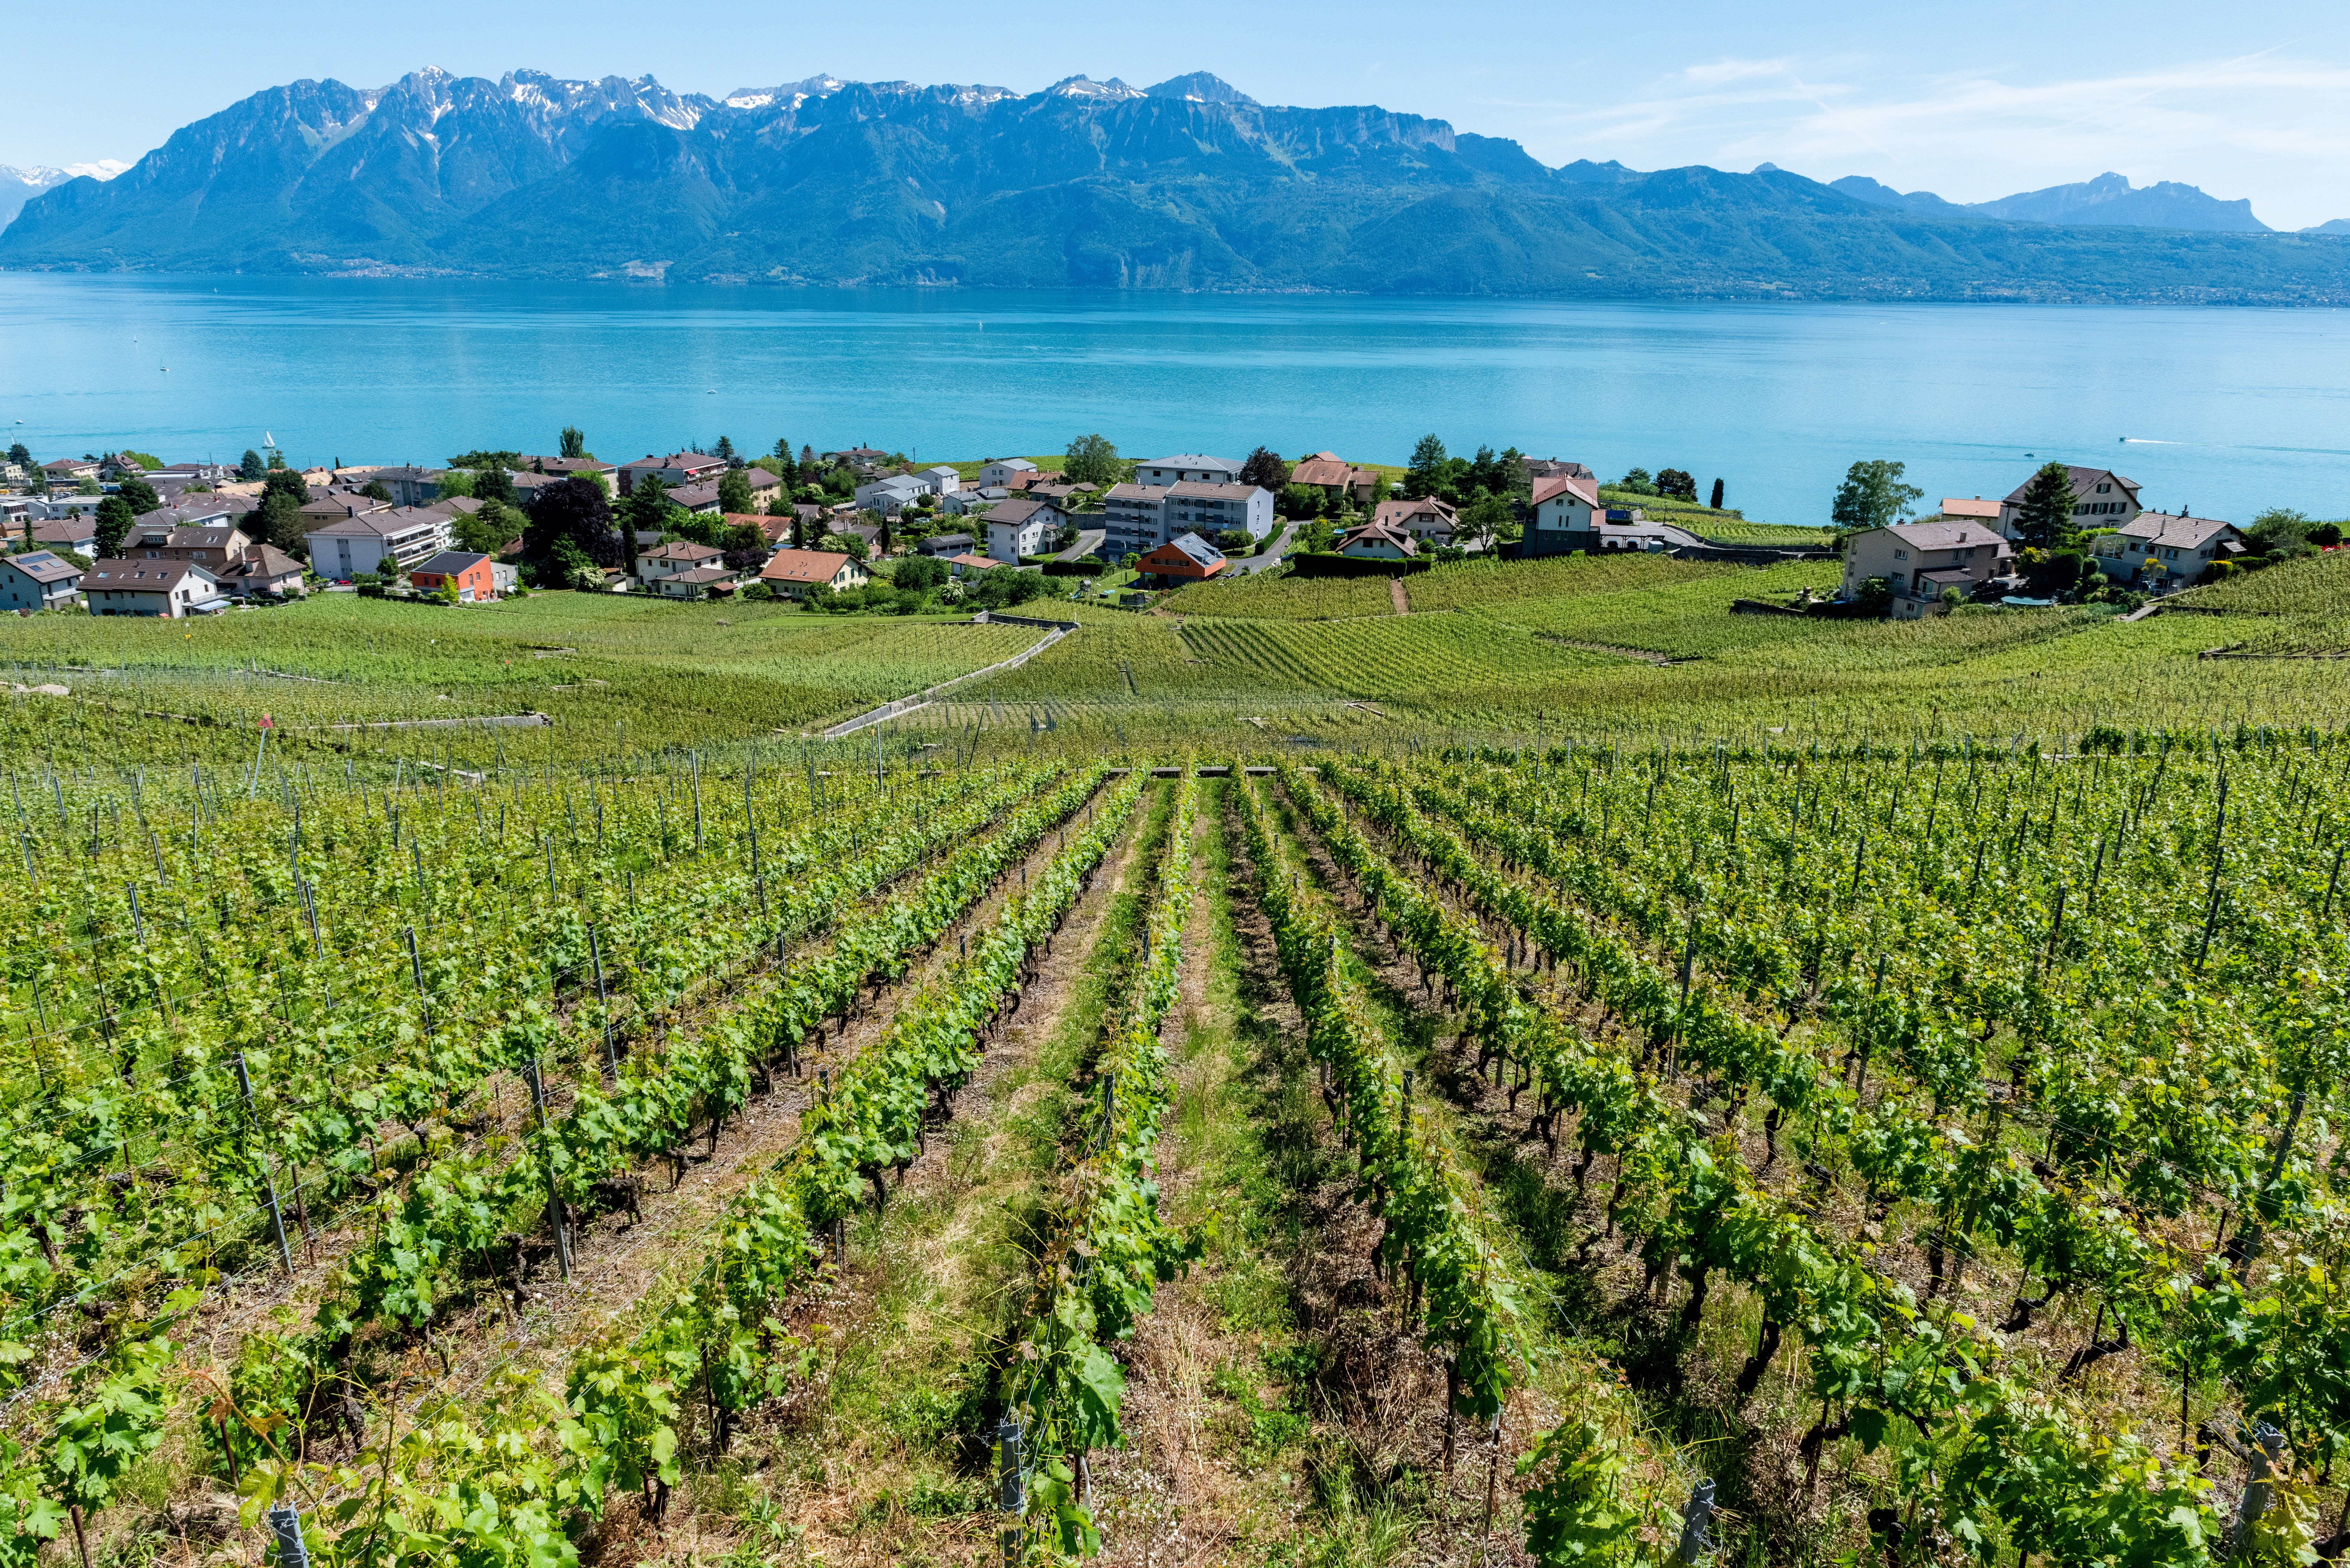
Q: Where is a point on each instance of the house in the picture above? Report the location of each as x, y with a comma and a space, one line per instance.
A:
1022, 528
2101, 499
1919, 560
506, 578
1185, 558
208, 510
575, 468
213, 548
145, 587
37, 581
1002, 471
790, 574
67, 505
264, 569
399, 538
462, 570
969, 565
891, 494
1566, 515
187, 473
2169, 550
943, 544
940, 479
699, 498
855, 456
1334, 477
1431, 523
1187, 468
1962, 509
69, 471
678, 468
410, 486
79, 535
963, 503
765, 486
1378, 540
1541, 468
676, 558
695, 582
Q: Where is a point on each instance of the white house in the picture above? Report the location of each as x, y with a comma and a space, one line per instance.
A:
891, 496
1430, 522
402, 537
1022, 528
675, 559
2101, 499
699, 498
147, 587
37, 581
1003, 469
941, 480
1566, 516
1187, 468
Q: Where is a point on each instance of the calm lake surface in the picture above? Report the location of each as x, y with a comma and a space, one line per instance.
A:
2224, 411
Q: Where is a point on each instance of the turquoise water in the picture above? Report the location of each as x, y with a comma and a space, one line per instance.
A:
2227, 411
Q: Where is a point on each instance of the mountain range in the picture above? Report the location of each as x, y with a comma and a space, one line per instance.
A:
1190, 184
19, 186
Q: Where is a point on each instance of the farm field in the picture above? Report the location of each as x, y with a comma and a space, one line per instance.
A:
1461, 1154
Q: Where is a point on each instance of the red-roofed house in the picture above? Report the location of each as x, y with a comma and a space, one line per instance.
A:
791, 573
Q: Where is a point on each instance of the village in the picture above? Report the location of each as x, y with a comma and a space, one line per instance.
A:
124, 533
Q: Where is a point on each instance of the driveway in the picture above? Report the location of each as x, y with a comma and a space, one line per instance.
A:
1089, 541
1245, 565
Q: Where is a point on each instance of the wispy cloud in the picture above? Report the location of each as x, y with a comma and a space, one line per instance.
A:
2265, 125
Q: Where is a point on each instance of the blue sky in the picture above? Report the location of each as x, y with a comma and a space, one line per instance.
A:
1969, 101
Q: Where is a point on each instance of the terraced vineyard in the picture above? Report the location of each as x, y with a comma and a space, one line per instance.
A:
1568, 1153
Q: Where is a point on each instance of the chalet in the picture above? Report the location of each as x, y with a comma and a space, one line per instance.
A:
465, 570
790, 574
1186, 558
1378, 540
172, 589
1430, 522
2101, 499
38, 581
1920, 561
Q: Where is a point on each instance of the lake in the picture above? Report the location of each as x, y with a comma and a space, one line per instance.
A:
2224, 411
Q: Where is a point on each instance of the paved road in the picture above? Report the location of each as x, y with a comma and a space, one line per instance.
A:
1247, 565
1089, 541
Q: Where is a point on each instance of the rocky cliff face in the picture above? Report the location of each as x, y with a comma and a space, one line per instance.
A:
1189, 184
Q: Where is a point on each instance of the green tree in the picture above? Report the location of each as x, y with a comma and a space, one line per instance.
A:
114, 520
734, 491
486, 532
2045, 518
645, 511
1483, 520
572, 513
1092, 460
21, 455
1677, 483
1716, 501
1426, 475
453, 484
495, 484
1871, 496
1264, 469
574, 441
2280, 531
139, 494
1301, 501
251, 466
1638, 482
724, 450
374, 490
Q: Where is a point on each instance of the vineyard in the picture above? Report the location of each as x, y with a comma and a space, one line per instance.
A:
1573, 1151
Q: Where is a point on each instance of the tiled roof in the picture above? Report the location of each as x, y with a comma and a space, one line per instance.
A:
2084, 482
1582, 487
682, 550
150, 577
2171, 531
1931, 534
802, 567
1958, 506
